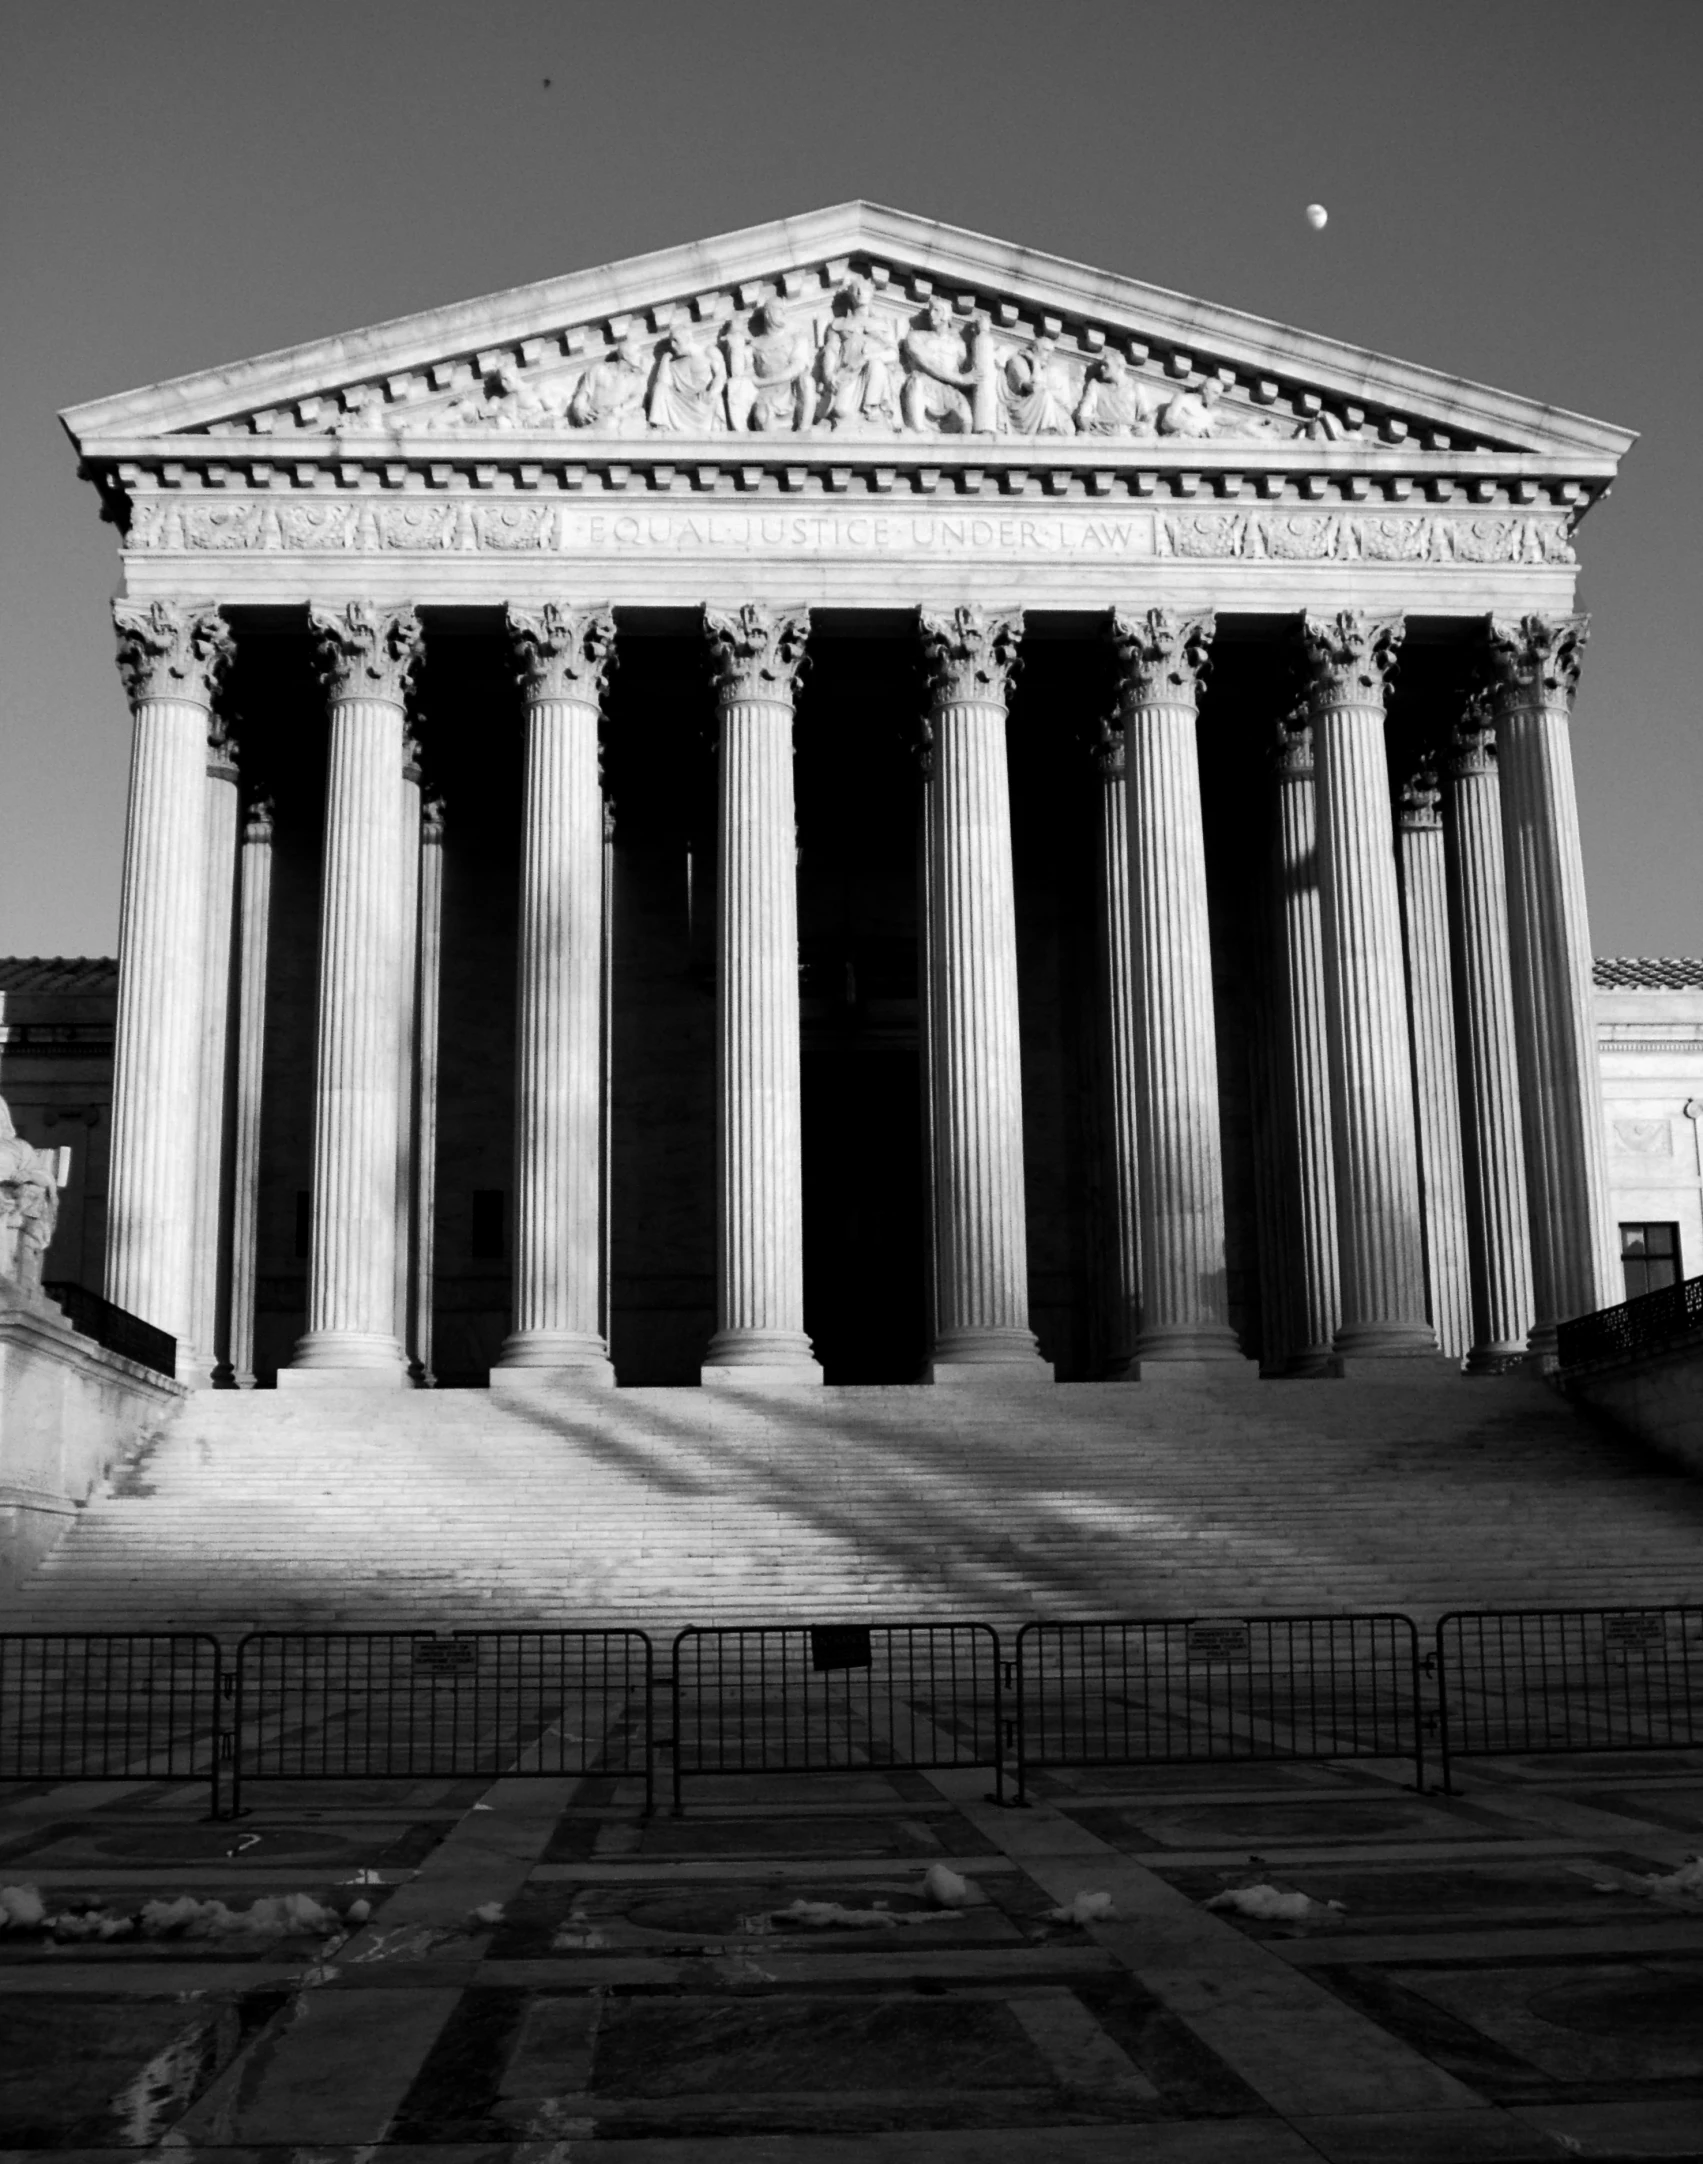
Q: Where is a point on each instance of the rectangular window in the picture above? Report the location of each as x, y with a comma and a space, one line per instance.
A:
1649, 1254
489, 1241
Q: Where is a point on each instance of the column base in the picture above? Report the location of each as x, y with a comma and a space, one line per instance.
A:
992, 1358
744, 1359
1197, 1343
345, 1360
1506, 1359
1391, 1352
552, 1356
1121, 1368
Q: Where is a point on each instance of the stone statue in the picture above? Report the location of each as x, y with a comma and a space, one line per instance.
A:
1201, 414
30, 1180
1116, 401
519, 404
860, 364
768, 373
687, 397
1040, 393
942, 380
610, 396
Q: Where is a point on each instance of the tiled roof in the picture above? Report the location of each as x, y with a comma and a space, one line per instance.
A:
1648, 973
58, 973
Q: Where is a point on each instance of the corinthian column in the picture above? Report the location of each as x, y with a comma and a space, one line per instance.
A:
1380, 1244
757, 655
256, 919
1115, 956
981, 1261
1436, 1088
170, 657
1535, 663
367, 655
1499, 1245
1184, 1307
564, 657
1304, 1056
211, 1331
425, 1091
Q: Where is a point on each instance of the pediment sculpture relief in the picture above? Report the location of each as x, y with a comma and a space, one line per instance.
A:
866, 368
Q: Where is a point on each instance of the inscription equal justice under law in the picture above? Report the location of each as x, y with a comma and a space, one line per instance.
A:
896, 533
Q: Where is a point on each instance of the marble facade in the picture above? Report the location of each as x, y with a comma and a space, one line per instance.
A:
1298, 620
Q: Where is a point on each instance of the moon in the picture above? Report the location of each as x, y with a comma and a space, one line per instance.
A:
1317, 216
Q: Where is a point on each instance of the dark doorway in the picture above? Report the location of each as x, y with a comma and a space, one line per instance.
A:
863, 1214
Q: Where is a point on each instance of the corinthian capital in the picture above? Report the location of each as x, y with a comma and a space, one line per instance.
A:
1292, 744
364, 651
970, 654
171, 650
1351, 656
1109, 748
756, 653
1535, 661
1472, 740
1419, 800
563, 653
1162, 655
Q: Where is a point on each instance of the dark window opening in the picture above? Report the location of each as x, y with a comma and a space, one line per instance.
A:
1649, 1255
490, 1242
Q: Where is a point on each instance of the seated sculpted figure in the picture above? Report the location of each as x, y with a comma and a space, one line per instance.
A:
691, 378
1116, 401
610, 396
768, 374
1039, 392
1201, 413
860, 364
29, 1204
523, 405
941, 378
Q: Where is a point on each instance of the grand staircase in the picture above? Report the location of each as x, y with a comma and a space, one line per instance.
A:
661, 1507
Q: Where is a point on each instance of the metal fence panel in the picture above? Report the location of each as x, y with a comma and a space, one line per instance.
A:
1672, 1315
1569, 1679
1207, 1689
802, 1698
109, 1706
377, 1705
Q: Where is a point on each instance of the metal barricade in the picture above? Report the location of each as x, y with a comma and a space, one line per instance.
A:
111, 1706
387, 1705
1542, 1680
835, 1698
1210, 1689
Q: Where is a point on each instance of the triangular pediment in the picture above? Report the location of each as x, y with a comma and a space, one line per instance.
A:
855, 324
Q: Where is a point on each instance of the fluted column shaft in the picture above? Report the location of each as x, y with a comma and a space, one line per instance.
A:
171, 658
407, 986
981, 1259
1115, 955
1574, 1266
564, 655
1304, 1059
757, 655
255, 920
426, 1086
1436, 1087
1492, 1126
211, 1254
367, 655
1380, 1243
1184, 1293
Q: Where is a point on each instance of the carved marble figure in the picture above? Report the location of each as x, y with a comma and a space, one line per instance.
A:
860, 364
29, 1204
1201, 413
769, 367
610, 396
940, 374
1116, 401
1040, 391
688, 397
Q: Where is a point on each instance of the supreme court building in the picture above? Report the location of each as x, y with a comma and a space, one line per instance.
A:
849, 801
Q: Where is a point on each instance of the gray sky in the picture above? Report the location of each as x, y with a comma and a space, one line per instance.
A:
1514, 189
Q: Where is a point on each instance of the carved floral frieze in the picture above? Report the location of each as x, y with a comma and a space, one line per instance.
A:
170, 522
